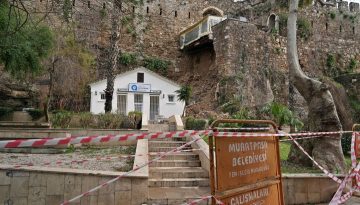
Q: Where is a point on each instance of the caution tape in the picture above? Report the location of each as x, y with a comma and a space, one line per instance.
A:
98, 139
133, 136
127, 173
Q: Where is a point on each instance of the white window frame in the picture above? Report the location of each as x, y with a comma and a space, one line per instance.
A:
137, 104
168, 100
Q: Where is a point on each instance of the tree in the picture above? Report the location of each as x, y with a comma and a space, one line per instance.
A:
23, 45
322, 111
184, 94
113, 53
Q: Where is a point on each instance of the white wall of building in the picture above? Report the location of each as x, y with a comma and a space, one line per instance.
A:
122, 81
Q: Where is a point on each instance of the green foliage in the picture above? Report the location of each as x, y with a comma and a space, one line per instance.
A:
332, 15
352, 65
282, 115
283, 17
194, 124
184, 93
103, 13
355, 105
109, 121
67, 8
127, 59
156, 64
61, 119
346, 143
5, 111
35, 113
345, 16
70, 149
352, 18
304, 3
73, 48
22, 45
283, 4
304, 28
86, 119
126, 20
232, 106
331, 69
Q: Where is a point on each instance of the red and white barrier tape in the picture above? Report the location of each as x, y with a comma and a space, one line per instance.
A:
98, 139
127, 173
326, 172
303, 138
222, 129
281, 134
158, 135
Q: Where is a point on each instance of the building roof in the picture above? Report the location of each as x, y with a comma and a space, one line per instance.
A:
142, 69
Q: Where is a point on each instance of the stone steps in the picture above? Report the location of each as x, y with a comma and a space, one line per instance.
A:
166, 144
177, 195
177, 156
179, 182
183, 172
175, 163
165, 149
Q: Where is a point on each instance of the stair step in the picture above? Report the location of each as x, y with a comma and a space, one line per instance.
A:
176, 195
176, 163
179, 182
165, 149
165, 144
177, 156
178, 172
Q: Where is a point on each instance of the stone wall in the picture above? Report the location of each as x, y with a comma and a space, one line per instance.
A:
27, 187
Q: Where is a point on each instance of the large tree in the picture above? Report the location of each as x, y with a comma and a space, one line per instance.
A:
112, 52
322, 111
23, 44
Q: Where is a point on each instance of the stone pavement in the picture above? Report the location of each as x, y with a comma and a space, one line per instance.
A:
354, 200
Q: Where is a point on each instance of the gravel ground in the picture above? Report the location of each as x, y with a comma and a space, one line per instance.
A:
120, 158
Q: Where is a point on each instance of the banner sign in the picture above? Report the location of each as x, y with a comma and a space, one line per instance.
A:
138, 87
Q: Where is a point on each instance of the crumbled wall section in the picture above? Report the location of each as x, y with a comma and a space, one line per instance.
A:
41, 188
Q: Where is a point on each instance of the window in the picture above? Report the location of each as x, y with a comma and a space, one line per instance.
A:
102, 96
138, 102
171, 98
140, 77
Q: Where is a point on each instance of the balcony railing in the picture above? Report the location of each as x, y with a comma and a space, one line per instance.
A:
198, 30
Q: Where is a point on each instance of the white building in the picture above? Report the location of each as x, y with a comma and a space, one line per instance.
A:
139, 90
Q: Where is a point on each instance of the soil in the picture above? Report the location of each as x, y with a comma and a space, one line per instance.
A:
117, 158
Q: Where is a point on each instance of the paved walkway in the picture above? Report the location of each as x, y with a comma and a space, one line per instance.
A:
354, 200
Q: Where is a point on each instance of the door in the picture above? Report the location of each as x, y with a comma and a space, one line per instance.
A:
154, 106
122, 104
138, 102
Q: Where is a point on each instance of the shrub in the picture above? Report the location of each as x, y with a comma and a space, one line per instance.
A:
127, 59
283, 24
346, 143
109, 121
35, 114
5, 111
352, 65
156, 64
134, 118
304, 28
282, 115
194, 124
61, 119
86, 119
332, 15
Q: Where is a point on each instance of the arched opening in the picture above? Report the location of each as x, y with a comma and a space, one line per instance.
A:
273, 23
212, 11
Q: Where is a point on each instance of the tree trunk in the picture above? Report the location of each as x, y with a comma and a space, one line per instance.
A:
113, 53
51, 82
322, 111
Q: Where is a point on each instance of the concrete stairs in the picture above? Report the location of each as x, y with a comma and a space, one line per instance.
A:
177, 178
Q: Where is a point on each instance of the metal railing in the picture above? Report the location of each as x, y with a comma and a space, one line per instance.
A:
198, 30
